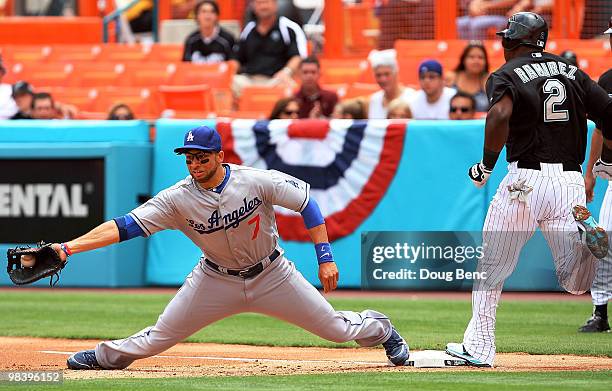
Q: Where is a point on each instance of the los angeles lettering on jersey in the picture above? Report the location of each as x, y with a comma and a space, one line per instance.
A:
230, 220
529, 72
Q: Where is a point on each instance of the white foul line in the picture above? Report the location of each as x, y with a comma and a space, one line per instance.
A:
247, 359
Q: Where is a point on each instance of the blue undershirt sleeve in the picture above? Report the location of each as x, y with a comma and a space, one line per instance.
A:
128, 229
312, 214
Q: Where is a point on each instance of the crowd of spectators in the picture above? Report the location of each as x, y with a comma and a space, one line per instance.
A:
271, 51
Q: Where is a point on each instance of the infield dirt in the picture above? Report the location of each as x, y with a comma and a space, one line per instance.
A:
204, 359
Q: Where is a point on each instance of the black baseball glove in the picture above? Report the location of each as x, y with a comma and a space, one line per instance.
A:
48, 264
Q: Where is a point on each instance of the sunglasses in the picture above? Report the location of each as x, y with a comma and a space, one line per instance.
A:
201, 158
461, 109
289, 112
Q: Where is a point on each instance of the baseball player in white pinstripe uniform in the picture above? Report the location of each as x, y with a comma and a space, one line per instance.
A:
538, 109
601, 291
227, 210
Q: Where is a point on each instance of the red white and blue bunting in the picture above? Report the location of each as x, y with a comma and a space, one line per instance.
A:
349, 164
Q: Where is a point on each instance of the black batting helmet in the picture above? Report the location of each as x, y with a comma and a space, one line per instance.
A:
609, 30
525, 28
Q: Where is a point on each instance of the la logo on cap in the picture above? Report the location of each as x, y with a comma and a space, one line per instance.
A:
190, 136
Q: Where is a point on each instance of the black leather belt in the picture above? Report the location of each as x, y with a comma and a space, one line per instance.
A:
536, 166
243, 273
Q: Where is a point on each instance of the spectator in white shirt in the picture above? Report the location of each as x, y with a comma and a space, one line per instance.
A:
384, 66
8, 107
432, 101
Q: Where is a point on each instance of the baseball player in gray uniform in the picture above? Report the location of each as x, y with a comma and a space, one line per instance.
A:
227, 210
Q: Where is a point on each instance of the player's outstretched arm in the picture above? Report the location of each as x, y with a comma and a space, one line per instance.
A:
328, 271
101, 236
497, 128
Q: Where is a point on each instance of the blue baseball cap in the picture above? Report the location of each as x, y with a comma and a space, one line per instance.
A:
202, 138
430, 66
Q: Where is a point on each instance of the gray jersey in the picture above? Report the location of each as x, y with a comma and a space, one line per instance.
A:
235, 228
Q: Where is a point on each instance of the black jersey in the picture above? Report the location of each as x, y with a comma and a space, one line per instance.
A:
605, 81
551, 99
217, 49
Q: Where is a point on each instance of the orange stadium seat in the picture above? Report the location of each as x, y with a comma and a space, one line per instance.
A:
429, 48
149, 74
335, 71
595, 67
166, 52
222, 100
72, 53
82, 98
19, 30
214, 75
24, 53
261, 99
98, 74
44, 74
140, 100
124, 52
357, 90
197, 98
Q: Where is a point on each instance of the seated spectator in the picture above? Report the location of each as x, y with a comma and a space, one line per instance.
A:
285, 108
269, 50
570, 56
285, 8
43, 106
120, 111
462, 106
471, 74
315, 102
350, 109
487, 14
8, 107
384, 66
399, 109
23, 95
140, 16
210, 43
433, 99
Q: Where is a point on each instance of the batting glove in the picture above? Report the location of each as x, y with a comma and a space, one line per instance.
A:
479, 174
602, 169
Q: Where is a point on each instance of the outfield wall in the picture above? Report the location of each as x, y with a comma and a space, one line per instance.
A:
110, 164
429, 192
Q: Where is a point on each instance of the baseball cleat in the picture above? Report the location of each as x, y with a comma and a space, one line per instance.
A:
596, 237
458, 350
397, 349
595, 324
85, 359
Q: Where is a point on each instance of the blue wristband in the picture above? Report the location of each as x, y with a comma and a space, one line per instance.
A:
324, 253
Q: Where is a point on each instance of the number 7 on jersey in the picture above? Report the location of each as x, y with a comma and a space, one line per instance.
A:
255, 220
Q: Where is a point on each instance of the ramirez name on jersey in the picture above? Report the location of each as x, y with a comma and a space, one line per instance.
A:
529, 72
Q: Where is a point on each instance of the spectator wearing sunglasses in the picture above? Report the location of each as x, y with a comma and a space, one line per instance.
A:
285, 108
462, 106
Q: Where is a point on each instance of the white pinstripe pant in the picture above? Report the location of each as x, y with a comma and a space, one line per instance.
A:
601, 291
508, 226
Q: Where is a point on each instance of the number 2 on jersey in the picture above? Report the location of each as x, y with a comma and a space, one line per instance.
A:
255, 220
557, 96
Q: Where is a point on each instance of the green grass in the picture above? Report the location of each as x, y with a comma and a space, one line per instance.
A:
523, 326
464, 381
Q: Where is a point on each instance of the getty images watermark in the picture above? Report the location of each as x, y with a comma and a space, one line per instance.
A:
420, 260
